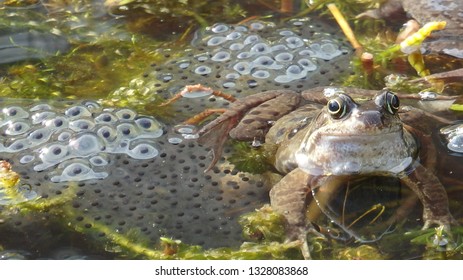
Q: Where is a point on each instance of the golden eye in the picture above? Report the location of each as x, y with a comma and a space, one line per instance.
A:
336, 107
392, 102
389, 101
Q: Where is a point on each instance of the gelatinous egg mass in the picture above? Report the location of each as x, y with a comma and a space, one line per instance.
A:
73, 141
261, 55
116, 172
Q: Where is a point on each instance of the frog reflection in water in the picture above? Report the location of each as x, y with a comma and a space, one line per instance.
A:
341, 140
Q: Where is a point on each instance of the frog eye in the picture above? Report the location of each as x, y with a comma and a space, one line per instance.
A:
337, 108
392, 102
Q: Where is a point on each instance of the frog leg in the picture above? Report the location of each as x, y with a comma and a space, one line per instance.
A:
196, 91
432, 195
215, 133
289, 197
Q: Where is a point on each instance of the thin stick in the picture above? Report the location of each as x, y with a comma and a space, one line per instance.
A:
341, 20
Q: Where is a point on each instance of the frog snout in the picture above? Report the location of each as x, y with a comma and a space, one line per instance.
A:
371, 119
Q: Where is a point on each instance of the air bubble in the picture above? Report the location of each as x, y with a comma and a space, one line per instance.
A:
294, 42
256, 26
260, 48
15, 112
183, 64
144, 123
57, 122
243, 55
454, 136
125, 114
150, 126
326, 51
456, 144
167, 77
261, 74
41, 107
105, 117
234, 35
186, 131
252, 83
220, 28
307, 64
85, 145
286, 33
17, 128
279, 47
293, 70
64, 136
266, 62
307, 52
143, 151
229, 84
18, 145
107, 133
221, 56
232, 76
202, 58
215, 41
330, 48
281, 57
185, 128
39, 136
241, 28
77, 112
78, 171
94, 106
236, 46
81, 125
26, 159
53, 153
202, 70
41, 117
242, 67
98, 161
175, 140
251, 39
127, 130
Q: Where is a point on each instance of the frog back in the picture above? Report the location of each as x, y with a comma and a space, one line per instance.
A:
288, 126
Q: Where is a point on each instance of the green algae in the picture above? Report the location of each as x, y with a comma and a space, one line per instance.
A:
251, 159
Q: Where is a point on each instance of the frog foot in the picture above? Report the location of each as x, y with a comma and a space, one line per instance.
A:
299, 234
215, 134
445, 222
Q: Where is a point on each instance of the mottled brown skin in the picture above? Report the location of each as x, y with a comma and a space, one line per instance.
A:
317, 147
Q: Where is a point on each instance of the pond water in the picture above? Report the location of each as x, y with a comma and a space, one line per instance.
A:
99, 169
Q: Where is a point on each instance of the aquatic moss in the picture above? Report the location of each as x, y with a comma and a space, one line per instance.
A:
263, 224
130, 246
89, 71
251, 159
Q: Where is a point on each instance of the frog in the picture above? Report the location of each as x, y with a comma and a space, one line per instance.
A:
447, 41
320, 144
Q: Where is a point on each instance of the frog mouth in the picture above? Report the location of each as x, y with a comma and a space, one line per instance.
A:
373, 131
341, 154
